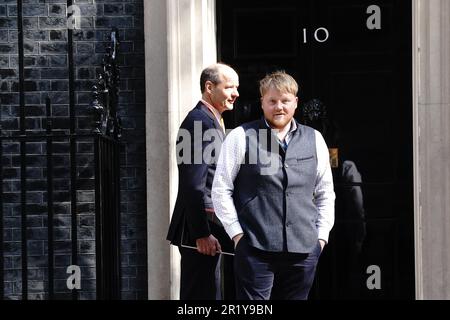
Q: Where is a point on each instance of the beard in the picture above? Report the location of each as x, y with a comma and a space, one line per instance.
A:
279, 122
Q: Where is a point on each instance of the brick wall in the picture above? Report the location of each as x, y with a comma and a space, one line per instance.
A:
46, 74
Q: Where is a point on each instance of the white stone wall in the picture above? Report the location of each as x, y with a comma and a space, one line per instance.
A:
432, 147
180, 40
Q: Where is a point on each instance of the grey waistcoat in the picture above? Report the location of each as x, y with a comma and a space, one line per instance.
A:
275, 207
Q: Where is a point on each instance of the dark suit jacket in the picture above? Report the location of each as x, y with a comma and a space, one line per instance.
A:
195, 179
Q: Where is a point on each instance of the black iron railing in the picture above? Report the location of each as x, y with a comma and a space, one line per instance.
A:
92, 167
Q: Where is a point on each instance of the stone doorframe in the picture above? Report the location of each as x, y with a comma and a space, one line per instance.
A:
431, 116
180, 40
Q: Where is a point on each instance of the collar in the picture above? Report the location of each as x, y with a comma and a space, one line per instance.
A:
212, 109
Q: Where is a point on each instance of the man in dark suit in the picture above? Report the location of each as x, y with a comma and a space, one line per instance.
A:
194, 227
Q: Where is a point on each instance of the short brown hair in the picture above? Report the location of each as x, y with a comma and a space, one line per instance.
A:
279, 80
212, 73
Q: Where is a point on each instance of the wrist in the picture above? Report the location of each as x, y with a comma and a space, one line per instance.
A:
237, 238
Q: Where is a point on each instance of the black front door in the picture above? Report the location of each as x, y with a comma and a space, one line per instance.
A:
352, 60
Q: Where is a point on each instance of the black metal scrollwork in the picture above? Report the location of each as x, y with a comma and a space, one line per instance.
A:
106, 92
313, 111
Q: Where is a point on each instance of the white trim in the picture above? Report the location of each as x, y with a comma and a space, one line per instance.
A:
157, 149
416, 135
173, 44
432, 153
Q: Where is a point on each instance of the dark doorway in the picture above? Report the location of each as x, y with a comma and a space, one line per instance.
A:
353, 64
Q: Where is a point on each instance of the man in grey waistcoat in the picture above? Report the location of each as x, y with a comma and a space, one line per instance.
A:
273, 193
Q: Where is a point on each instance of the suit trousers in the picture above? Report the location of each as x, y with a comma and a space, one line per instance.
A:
200, 276
263, 275
205, 277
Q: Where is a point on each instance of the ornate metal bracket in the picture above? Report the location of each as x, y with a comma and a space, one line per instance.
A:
314, 113
106, 92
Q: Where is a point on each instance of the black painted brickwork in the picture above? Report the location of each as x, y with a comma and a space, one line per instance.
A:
46, 74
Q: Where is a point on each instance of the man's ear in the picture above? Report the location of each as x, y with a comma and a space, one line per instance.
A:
208, 86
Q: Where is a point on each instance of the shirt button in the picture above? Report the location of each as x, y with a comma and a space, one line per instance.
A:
286, 165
